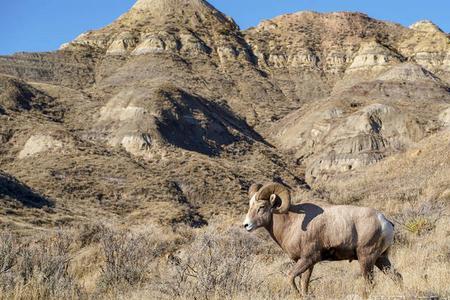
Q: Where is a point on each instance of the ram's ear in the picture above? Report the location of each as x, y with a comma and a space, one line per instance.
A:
254, 188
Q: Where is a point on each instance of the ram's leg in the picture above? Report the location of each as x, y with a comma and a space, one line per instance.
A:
384, 264
300, 267
305, 280
367, 272
367, 263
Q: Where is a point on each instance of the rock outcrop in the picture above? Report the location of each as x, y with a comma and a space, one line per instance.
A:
40, 144
365, 121
426, 26
141, 122
374, 57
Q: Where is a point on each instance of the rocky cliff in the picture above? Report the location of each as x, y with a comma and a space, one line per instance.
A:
172, 111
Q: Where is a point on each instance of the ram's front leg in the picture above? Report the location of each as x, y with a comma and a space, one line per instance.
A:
305, 280
302, 265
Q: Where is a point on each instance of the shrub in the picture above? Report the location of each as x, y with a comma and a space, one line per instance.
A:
217, 265
37, 269
8, 259
90, 233
421, 219
128, 257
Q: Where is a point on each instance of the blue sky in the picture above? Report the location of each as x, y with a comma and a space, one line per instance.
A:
43, 25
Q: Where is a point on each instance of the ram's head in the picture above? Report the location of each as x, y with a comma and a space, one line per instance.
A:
265, 200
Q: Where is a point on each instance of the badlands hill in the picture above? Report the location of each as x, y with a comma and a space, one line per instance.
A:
170, 113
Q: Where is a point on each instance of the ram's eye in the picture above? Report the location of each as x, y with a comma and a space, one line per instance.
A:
261, 208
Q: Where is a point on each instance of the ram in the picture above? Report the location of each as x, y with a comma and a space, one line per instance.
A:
314, 232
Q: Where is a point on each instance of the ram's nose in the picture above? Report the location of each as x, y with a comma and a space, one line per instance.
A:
248, 226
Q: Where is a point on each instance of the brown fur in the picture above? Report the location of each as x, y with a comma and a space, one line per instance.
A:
314, 232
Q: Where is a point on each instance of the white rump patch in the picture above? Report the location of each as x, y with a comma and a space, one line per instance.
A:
387, 231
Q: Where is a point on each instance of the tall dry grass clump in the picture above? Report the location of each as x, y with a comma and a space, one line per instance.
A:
222, 264
129, 258
37, 269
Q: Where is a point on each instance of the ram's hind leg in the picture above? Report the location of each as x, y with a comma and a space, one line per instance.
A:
384, 264
366, 264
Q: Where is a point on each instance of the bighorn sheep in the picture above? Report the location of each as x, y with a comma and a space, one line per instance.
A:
312, 232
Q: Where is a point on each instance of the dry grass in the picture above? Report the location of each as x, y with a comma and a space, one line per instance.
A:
217, 262
228, 267
37, 269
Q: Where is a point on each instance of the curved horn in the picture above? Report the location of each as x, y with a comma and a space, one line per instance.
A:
269, 189
254, 188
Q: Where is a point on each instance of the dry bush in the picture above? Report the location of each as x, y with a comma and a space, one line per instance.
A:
90, 233
9, 249
128, 257
37, 269
420, 219
225, 264
54, 265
